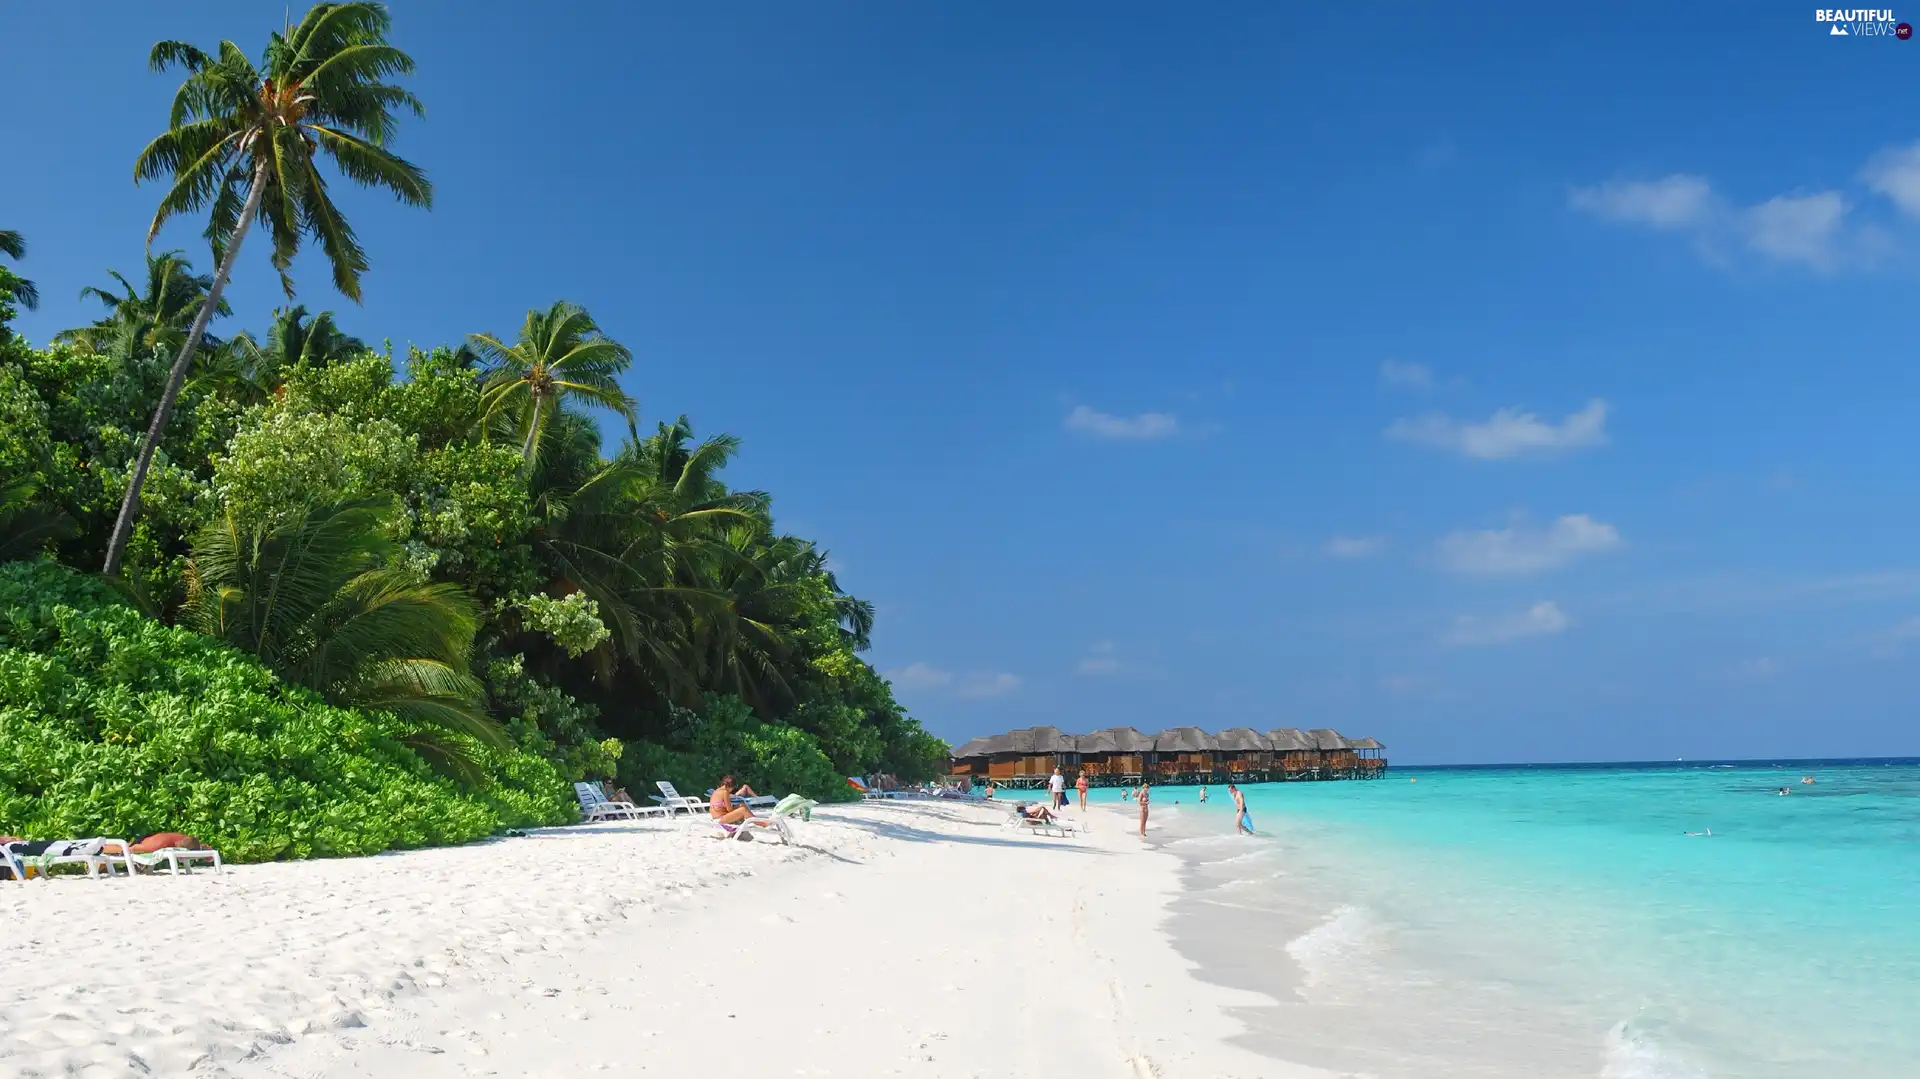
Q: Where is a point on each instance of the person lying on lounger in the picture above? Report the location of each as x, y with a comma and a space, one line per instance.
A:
1036, 812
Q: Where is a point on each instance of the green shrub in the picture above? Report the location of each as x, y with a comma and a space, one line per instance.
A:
113, 724
725, 738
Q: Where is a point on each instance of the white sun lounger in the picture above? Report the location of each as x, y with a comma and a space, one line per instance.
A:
1059, 825
755, 828
673, 801
17, 871
173, 858
595, 806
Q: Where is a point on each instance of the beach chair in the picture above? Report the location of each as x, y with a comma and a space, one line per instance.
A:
673, 801
173, 858
15, 871
756, 827
595, 806
1059, 826
91, 857
758, 801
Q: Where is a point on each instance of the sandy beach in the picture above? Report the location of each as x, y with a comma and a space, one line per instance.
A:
905, 938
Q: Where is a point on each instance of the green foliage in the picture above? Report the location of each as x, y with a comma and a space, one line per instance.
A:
561, 356
725, 738
113, 724
547, 721
292, 459
572, 621
318, 600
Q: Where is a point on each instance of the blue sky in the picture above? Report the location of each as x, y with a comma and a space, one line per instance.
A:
1507, 386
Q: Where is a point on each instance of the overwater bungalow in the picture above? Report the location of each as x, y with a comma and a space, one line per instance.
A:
1372, 754
1295, 756
1184, 755
1242, 753
1336, 756
1114, 756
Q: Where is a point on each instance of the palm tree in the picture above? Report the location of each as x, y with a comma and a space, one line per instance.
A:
247, 372
155, 317
561, 356
316, 601
245, 143
12, 286
27, 525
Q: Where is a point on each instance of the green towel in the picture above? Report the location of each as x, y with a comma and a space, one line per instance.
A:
793, 805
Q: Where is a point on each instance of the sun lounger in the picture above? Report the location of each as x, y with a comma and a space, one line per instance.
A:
596, 806
756, 828
173, 858
89, 854
673, 801
758, 801
15, 871
1059, 825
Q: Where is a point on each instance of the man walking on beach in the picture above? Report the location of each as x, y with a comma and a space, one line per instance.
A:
1057, 787
1242, 821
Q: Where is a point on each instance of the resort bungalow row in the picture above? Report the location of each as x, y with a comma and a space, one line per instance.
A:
1121, 755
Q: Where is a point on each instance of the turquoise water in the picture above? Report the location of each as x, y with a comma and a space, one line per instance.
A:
1549, 921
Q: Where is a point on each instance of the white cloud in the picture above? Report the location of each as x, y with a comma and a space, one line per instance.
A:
1086, 420
1799, 228
1895, 173
1507, 433
1518, 551
988, 684
1102, 662
1541, 619
1406, 376
1355, 546
1671, 203
925, 676
919, 676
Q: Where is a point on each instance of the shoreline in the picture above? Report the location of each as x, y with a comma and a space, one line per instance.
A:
902, 938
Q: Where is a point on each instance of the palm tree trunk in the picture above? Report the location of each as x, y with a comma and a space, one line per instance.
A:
533, 431
177, 377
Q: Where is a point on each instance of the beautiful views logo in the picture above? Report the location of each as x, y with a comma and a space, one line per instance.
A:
1862, 22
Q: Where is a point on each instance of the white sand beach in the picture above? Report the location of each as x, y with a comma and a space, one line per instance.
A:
904, 938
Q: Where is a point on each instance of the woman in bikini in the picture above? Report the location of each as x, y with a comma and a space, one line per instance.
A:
1143, 797
721, 808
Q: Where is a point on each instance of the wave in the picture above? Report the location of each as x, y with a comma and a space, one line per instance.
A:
1630, 1054
1343, 936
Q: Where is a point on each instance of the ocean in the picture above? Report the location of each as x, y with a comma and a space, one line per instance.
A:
1538, 922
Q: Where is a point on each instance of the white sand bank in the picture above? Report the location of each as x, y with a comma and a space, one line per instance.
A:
900, 939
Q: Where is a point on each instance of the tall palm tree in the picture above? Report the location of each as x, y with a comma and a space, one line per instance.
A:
13, 286
246, 142
316, 601
561, 356
156, 316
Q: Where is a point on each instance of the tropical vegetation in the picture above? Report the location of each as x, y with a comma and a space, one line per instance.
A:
356, 600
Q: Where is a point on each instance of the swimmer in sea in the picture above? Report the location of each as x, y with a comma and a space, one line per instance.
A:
1806, 779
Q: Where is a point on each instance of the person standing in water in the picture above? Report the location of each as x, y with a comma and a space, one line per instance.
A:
1242, 820
1142, 797
1203, 794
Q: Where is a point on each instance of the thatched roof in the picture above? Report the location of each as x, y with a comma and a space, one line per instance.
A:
1327, 740
975, 748
1289, 740
1115, 740
1242, 740
1365, 743
1184, 740
1048, 740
